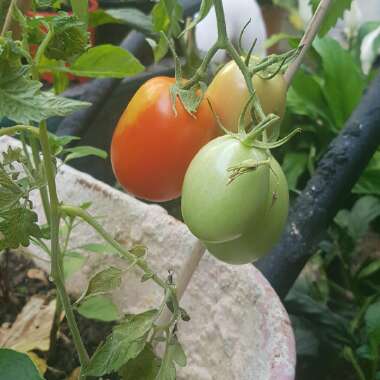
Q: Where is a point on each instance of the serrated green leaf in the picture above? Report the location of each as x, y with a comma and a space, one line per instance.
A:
106, 61
22, 101
8, 198
102, 282
126, 342
70, 37
17, 225
334, 13
294, 165
16, 365
100, 308
12, 155
84, 151
144, 367
343, 80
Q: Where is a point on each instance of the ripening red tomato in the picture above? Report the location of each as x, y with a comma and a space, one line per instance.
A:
152, 146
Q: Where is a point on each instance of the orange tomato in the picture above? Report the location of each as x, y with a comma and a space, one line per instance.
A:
152, 146
228, 94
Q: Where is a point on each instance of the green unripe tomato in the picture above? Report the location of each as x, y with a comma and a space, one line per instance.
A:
258, 239
217, 211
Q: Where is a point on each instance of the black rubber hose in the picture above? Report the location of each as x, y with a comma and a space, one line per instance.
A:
313, 211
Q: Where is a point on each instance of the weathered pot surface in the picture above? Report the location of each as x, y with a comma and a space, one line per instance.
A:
238, 330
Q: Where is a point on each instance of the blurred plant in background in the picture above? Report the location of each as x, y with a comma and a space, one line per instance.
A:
335, 304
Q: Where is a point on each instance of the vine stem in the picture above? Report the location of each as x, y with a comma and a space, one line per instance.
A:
85, 216
56, 269
8, 18
307, 39
224, 43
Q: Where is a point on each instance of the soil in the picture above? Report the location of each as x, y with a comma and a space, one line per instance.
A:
15, 290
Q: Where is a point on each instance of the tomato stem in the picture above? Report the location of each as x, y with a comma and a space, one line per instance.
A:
56, 268
85, 216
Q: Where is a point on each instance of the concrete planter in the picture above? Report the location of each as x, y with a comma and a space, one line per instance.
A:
239, 329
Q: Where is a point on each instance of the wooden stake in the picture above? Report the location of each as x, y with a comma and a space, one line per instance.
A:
307, 39
184, 277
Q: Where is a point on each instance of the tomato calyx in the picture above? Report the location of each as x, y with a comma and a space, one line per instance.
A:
191, 96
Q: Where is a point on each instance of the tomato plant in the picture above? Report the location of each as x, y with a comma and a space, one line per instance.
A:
238, 219
229, 105
153, 145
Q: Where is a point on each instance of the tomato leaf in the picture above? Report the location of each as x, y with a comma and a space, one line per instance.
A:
334, 13
343, 80
17, 365
144, 367
106, 61
102, 282
70, 38
126, 342
22, 101
100, 308
17, 225
84, 151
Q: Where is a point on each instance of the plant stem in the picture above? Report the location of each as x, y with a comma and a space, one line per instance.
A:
43, 190
10, 131
307, 39
54, 330
40, 51
8, 18
56, 269
84, 215
351, 358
